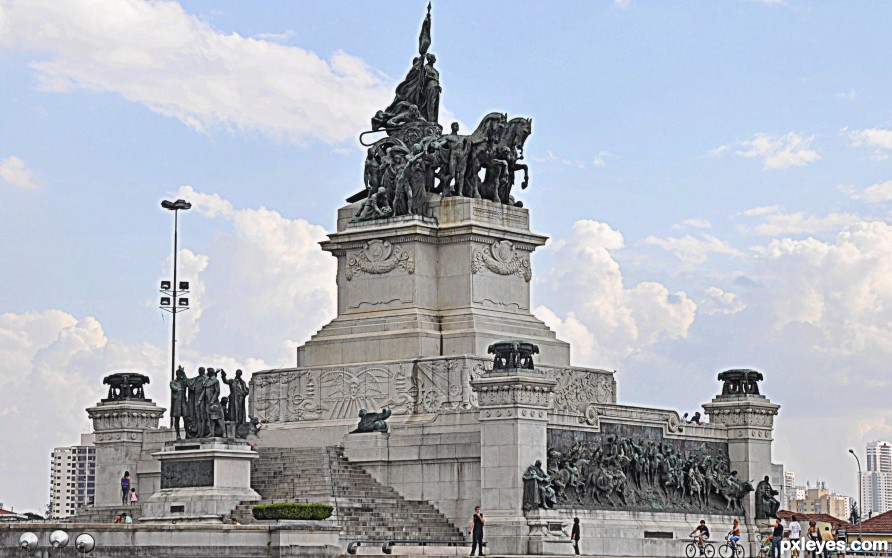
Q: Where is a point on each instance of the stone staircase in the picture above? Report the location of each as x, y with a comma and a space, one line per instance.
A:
103, 514
365, 509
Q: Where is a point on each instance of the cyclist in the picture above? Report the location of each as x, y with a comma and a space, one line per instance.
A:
734, 535
702, 533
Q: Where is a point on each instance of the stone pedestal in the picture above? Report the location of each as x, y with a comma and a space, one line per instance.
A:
514, 407
749, 418
449, 283
201, 480
120, 427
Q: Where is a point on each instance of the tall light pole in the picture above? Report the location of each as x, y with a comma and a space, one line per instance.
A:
860, 494
172, 302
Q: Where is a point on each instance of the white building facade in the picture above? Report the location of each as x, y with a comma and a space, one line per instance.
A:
72, 477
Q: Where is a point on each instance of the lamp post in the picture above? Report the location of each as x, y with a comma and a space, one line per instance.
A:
860, 494
172, 302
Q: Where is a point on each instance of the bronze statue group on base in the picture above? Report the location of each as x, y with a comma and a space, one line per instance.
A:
205, 415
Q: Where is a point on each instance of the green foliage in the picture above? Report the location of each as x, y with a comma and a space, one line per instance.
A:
292, 510
854, 514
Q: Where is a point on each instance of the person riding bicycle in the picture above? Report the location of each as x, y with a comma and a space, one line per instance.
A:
702, 533
734, 535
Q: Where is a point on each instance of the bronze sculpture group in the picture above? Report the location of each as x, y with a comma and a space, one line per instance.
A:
205, 415
401, 169
622, 472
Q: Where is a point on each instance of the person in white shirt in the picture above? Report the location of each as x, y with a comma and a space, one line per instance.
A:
795, 533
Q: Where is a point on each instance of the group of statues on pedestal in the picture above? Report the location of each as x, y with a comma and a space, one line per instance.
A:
401, 169
635, 474
205, 415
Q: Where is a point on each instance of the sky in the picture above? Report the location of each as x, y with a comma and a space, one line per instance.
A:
714, 178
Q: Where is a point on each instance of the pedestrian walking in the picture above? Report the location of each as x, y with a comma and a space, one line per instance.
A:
574, 535
125, 487
475, 529
133, 497
795, 533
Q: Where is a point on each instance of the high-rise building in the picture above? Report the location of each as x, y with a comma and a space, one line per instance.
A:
789, 489
879, 456
876, 493
72, 477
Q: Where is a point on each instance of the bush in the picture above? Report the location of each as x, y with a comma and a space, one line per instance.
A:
292, 510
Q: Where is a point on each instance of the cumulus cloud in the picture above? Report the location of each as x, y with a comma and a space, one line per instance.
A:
156, 54
717, 301
840, 288
16, 173
776, 152
276, 281
590, 305
691, 250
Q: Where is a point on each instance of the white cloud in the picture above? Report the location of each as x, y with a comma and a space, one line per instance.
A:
276, 281
590, 305
156, 54
763, 210
694, 223
693, 250
776, 152
15, 172
776, 222
622, 4
880, 192
872, 137
717, 301
849, 95
842, 289
600, 161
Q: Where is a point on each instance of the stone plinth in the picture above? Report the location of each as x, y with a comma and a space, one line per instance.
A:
449, 283
749, 419
201, 480
120, 428
514, 406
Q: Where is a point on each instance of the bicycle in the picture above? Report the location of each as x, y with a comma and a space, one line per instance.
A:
764, 546
731, 549
693, 549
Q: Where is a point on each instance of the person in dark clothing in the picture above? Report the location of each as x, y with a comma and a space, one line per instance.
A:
702, 534
125, 488
777, 535
475, 529
574, 535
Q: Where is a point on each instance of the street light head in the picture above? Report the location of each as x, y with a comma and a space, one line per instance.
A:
184, 302
852, 451
165, 301
165, 285
184, 285
177, 205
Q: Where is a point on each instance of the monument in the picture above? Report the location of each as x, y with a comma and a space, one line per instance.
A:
463, 397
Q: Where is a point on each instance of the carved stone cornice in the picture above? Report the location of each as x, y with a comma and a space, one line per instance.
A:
378, 257
123, 421
501, 258
514, 388
752, 412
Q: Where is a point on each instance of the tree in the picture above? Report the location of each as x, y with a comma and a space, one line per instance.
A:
854, 514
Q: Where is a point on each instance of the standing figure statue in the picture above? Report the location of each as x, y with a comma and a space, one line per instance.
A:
537, 490
238, 392
197, 403
214, 417
430, 102
179, 407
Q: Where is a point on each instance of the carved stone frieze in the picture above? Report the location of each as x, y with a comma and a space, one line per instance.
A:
378, 257
406, 388
501, 258
516, 394
578, 387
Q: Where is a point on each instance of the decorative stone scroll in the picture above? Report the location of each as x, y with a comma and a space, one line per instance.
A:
593, 414
379, 257
501, 258
578, 387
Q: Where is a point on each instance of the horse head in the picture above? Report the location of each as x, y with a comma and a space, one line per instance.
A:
519, 129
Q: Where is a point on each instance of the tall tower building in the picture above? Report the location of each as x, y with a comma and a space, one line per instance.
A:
879, 456
72, 477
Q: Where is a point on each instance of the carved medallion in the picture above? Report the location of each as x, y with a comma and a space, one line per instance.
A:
379, 257
503, 259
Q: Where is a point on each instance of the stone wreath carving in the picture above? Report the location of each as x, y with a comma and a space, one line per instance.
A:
378, 257
502, 258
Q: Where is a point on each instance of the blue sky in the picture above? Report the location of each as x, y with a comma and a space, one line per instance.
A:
715, 179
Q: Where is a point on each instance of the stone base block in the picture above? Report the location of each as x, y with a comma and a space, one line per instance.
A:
195, 505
